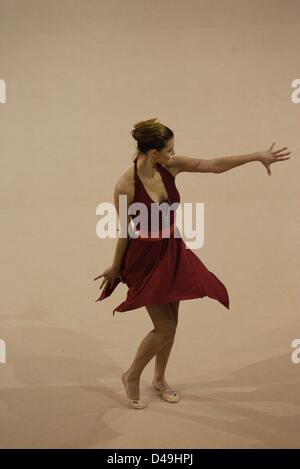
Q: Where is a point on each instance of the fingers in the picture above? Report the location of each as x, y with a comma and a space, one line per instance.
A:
282, 159
268, 169
278, 153
272, 145
108, 284
99, 276
282, 154
105, 281
281, 149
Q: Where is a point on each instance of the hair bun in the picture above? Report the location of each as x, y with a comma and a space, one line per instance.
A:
151, 133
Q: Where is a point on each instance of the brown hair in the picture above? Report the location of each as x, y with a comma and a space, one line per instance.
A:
151, 134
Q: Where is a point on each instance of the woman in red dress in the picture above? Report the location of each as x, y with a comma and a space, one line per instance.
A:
156, 265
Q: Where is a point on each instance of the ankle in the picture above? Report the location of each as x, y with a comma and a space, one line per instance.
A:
159, 379
131, 376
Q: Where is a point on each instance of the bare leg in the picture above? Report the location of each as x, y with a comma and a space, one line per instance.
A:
162, 357
165, 327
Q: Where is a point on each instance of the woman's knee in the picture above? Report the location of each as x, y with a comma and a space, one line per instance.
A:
165, 331
163, 321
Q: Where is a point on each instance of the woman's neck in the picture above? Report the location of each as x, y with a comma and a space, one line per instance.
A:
147, 166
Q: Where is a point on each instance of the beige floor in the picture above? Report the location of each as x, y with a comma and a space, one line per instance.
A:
79, 75
53, 398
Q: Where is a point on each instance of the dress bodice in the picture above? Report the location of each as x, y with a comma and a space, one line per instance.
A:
159, 215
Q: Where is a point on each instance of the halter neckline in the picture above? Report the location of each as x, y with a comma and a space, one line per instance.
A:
137, 178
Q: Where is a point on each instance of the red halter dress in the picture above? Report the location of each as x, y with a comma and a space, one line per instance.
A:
160, 268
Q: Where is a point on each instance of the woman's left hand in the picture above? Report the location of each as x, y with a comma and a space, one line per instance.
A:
268, 157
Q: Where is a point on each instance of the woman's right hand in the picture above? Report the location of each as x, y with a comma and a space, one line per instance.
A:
110, 274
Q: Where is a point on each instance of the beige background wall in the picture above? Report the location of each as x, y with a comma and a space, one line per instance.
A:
79, 75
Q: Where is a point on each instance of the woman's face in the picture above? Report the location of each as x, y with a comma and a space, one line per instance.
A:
167, 152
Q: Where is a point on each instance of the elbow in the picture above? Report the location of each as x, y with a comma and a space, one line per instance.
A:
217, 168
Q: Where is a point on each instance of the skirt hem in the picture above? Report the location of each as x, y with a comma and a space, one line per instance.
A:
170, 300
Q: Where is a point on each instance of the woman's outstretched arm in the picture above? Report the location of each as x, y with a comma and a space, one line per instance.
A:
222, 164
265, 157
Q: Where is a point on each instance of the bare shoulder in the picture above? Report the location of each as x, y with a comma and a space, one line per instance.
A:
125, 184
172, 166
